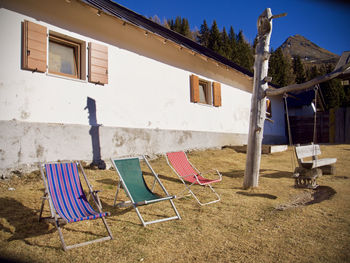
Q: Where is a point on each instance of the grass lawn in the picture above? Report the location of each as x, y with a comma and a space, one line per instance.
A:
272, 223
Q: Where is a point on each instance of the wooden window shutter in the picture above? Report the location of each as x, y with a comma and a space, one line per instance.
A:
34, 46
194, 82
98, 63
216, 94
268, 108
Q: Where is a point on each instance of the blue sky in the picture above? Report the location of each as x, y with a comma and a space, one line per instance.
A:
326, 23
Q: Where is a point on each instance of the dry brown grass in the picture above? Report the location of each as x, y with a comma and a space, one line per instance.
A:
244, 227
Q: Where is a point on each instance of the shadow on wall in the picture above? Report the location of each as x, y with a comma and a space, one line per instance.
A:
95, 135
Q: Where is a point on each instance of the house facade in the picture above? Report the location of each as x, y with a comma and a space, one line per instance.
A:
92, 80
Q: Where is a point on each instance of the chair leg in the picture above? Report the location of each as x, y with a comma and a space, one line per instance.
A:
140, 216
197, 199
116, 194
176, 212
107, 227
61, 236
65, 247
42, 209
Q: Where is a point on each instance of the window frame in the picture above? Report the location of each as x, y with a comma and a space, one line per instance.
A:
212, 91
208, 92
77, 47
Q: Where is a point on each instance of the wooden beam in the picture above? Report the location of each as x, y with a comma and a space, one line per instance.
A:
309, 84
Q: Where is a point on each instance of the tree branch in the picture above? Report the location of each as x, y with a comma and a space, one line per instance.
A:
308, 84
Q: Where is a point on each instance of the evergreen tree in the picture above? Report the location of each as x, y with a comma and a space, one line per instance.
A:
204, 33
225, 49
175, 25
280, 69
333, 94
214, 38
312, 72
179, 25
298, 70
233, 43
185, 28
255, 43
245, 55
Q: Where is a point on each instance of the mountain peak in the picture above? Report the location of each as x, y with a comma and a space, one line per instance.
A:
308, 51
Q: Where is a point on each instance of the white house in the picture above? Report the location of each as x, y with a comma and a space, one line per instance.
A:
90, 79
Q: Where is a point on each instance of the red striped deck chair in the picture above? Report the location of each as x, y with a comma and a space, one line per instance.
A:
67, 200
190, 176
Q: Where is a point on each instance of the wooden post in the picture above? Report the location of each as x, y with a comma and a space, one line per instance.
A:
258, 101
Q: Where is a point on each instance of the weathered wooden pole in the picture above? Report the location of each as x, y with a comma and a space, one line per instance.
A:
258, 101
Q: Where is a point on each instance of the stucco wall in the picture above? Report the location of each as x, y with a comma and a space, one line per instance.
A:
145, 108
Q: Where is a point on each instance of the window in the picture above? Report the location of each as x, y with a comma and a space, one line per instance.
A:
205, 92
64, 57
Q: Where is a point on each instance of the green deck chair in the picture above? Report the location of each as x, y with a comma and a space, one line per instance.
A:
132, 181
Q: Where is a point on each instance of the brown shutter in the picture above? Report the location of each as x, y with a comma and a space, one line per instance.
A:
34, 47
98, 63
194, 80
216, 94
268, 108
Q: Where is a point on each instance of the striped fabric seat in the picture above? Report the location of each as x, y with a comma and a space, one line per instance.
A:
66, 193
182, 166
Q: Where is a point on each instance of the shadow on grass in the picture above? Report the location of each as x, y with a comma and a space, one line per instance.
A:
268, 196
321, 193
115, 210
108, 181
238, 149
164, 177
24, 220
234, 174
275, 174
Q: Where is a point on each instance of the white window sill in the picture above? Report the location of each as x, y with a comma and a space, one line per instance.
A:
205, 105
67, 78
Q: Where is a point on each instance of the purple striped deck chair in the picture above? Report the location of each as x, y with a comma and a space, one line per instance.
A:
67, 200
190, 176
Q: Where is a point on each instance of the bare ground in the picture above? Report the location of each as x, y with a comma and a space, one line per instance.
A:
273, 223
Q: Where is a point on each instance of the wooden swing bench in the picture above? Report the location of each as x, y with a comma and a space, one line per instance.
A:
306, 174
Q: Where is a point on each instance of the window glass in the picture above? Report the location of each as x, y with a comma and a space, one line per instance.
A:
202, 91
63, 58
